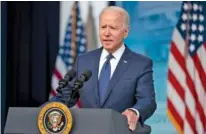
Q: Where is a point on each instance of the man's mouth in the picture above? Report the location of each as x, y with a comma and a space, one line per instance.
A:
107, 40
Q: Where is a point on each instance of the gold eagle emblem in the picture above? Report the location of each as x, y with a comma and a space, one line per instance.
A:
55, 118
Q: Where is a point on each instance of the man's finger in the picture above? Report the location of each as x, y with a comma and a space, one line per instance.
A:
131, 119
125, 113
132, 125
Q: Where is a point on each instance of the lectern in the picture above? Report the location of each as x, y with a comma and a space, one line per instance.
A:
85, 121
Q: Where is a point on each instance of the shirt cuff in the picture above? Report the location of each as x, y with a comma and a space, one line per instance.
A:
135, 110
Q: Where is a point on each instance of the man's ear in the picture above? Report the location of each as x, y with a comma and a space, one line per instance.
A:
126, 32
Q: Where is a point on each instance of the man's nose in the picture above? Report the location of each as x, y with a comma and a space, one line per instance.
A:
107, 32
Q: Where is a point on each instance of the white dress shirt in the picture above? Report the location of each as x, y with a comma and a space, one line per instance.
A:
113, 62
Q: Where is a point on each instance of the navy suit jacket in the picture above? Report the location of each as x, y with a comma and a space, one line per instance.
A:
131, 85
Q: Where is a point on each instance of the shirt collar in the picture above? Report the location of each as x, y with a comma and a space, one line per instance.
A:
117, 54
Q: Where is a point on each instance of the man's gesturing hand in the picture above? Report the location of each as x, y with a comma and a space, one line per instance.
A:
132, 118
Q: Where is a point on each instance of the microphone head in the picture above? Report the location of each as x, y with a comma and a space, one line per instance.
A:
61, 83
70, 75
87, 74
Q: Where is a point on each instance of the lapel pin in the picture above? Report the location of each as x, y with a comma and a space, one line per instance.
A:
125, 61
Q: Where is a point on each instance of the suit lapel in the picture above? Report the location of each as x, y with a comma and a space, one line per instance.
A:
119, 71
95, 75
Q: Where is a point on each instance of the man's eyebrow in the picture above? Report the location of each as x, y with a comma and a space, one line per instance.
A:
103, 25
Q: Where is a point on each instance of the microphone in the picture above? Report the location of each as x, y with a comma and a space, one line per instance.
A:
68, 77
85, 76
74, 96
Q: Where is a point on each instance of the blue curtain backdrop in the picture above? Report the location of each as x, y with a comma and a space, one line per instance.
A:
32, 33
3, 62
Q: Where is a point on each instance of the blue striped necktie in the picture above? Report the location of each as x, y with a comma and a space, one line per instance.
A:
104, 78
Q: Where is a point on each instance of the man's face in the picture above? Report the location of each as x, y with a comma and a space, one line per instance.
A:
112, 30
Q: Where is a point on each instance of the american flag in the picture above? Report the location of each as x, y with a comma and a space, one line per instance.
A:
186, 102
74, 44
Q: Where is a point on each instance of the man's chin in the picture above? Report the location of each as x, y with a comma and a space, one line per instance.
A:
108, 45
110, 50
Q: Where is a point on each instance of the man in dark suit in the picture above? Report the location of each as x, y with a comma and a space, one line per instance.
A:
121, 79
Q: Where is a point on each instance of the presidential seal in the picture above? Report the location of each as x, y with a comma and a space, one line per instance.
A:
55, 118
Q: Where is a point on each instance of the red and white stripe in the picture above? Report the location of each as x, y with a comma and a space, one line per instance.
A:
187, 87
58, 73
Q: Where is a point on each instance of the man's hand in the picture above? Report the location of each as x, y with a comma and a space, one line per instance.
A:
132, 118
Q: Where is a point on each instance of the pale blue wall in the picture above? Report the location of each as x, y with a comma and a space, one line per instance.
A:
152, 25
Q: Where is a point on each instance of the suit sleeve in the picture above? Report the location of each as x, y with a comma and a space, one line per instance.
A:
145, 94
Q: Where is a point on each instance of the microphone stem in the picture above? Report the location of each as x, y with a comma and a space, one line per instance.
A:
70, 98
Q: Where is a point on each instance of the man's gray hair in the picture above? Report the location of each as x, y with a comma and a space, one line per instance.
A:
120, 10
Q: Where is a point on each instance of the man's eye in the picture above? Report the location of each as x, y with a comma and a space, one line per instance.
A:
113, 28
